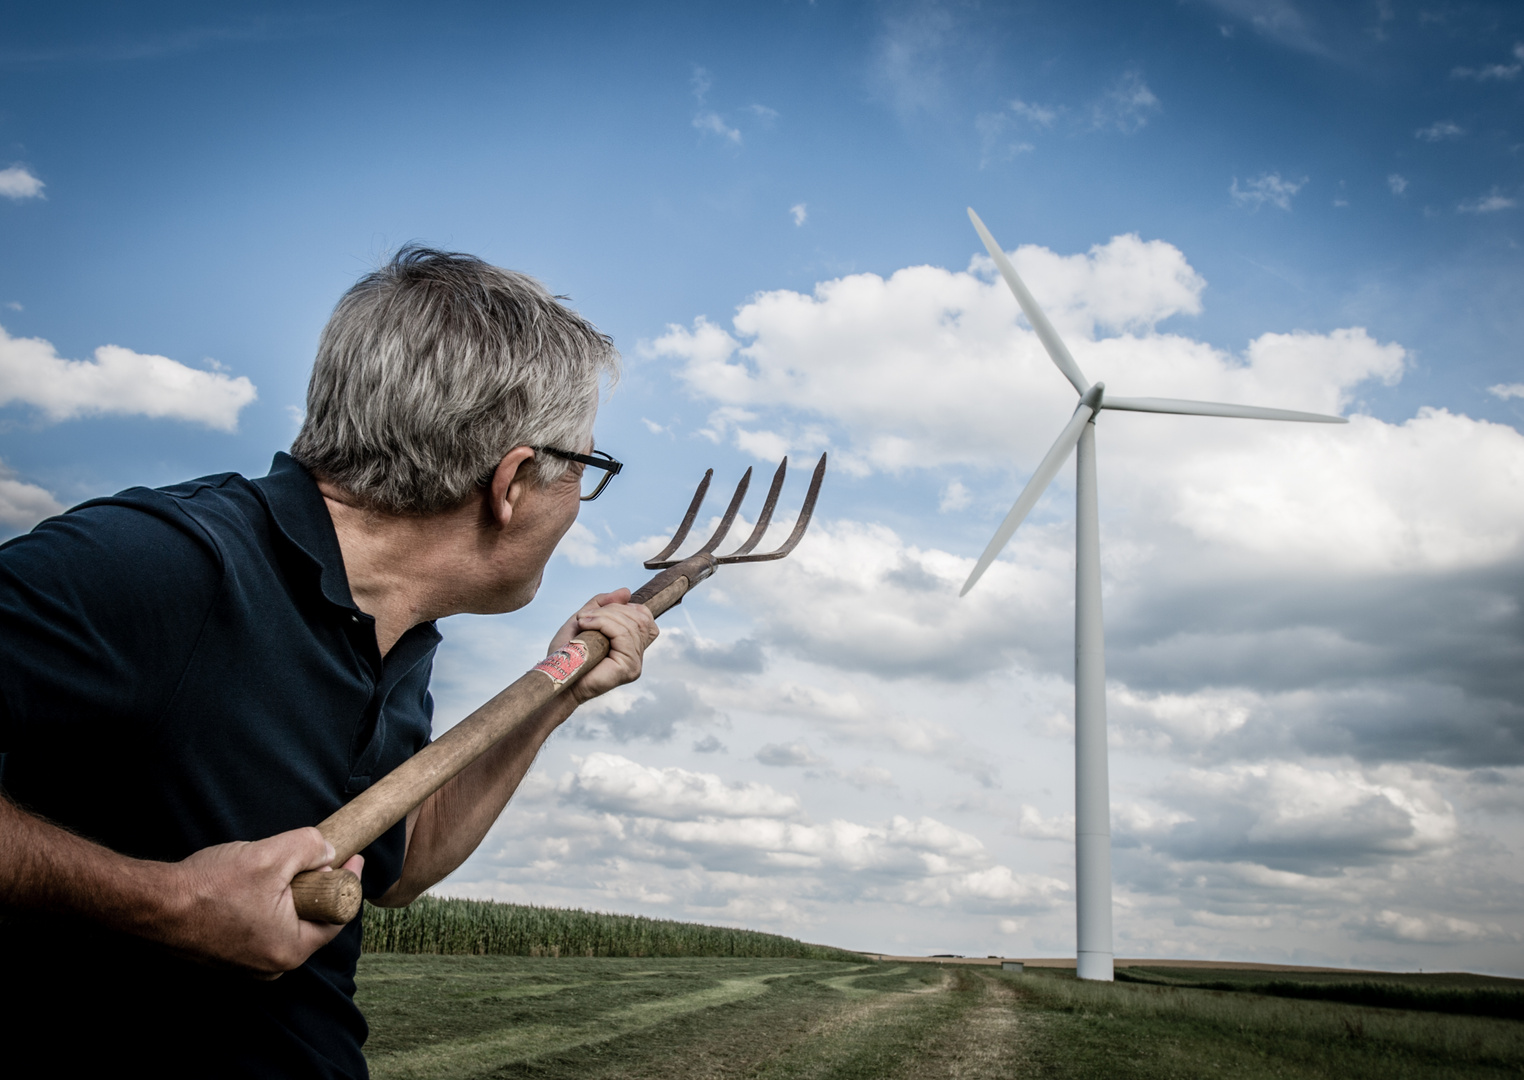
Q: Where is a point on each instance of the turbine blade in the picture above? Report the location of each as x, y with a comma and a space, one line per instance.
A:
1213, 408
1041, 478
1045, 332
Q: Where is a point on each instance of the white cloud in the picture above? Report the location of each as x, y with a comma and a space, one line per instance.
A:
1507, 390
1127, 105
616, 784
1299, 818
1397, 182
1439, 131
799, 213
1268, 188
1499, 72
580, 547
728, 833
119, 381
1428, 928
954, 497
23, 505
1040, 115
712, 123
1033, 825
790, 754
17, 182
1278, 20
1487, 204
909, 56
1308, 626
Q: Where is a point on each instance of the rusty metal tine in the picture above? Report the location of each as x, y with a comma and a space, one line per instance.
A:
766, 517
799, 526
730, 515
655, 562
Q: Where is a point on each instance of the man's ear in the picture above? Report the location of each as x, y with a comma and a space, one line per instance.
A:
510, 480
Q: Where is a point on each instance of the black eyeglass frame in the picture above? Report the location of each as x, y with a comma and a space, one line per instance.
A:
597, 459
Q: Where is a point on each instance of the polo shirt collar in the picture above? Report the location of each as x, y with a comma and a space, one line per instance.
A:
300, 514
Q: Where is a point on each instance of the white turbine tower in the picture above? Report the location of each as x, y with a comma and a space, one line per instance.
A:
1092, 801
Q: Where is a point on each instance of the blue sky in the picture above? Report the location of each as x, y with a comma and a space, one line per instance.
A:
1313, 637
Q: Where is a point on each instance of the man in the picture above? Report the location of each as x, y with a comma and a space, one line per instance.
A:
192, 677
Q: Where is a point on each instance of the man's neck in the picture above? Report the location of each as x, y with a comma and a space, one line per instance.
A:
402, 570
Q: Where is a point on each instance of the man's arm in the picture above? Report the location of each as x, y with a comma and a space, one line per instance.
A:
450, 824
230, 904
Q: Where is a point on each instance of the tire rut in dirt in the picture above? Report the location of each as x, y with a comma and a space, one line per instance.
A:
984, 1037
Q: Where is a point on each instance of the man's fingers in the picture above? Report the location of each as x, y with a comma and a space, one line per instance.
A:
304, 849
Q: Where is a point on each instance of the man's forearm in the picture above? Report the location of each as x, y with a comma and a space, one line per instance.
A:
229, 904
455, 819
46, 868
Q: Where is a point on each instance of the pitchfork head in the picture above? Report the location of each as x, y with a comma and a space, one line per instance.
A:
661, 560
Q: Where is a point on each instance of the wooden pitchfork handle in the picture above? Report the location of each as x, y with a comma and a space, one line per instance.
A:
333, 896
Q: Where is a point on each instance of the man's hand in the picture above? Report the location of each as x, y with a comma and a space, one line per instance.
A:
229, 905
630, 629
233, 903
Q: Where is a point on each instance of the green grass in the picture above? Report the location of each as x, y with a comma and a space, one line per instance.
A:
484, 928
465, 1016
1450, 992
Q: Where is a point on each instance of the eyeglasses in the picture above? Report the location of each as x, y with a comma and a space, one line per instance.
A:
598, 460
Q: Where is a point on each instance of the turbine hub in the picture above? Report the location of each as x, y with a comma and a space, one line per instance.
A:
1093, 396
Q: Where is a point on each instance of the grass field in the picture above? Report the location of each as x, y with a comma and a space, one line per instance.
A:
504, 1016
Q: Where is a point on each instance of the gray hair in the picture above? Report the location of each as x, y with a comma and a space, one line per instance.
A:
434, 367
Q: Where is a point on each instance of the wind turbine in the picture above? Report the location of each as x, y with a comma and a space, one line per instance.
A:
1092, 801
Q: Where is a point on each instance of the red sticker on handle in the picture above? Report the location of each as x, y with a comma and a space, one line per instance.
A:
564, 662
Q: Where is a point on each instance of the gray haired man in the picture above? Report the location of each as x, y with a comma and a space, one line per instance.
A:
196, 674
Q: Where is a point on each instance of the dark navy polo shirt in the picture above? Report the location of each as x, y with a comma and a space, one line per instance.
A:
185, 667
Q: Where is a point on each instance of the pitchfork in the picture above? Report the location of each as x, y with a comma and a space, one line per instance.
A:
334, 895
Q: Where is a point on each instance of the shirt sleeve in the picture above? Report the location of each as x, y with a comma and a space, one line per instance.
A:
100, 609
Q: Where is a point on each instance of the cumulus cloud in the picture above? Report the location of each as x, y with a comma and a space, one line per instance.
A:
1037, 115
1127, 106
799, 213
670, 817
1397, 182
1488, 204
1428, 928
1494, 72
650, 712
117, 381
23, 505
1507, 390
954, 497
1439, 131
706, 119
1266, 189
924, 368
1279, 20
17, 183
713, 124
780, 755
1297, 818
616, 784
1314, 639
1273, 589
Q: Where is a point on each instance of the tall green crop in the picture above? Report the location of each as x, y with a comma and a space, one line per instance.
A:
482, 927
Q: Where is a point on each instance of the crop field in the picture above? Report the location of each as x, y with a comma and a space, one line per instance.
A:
482, 927
459, 1016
